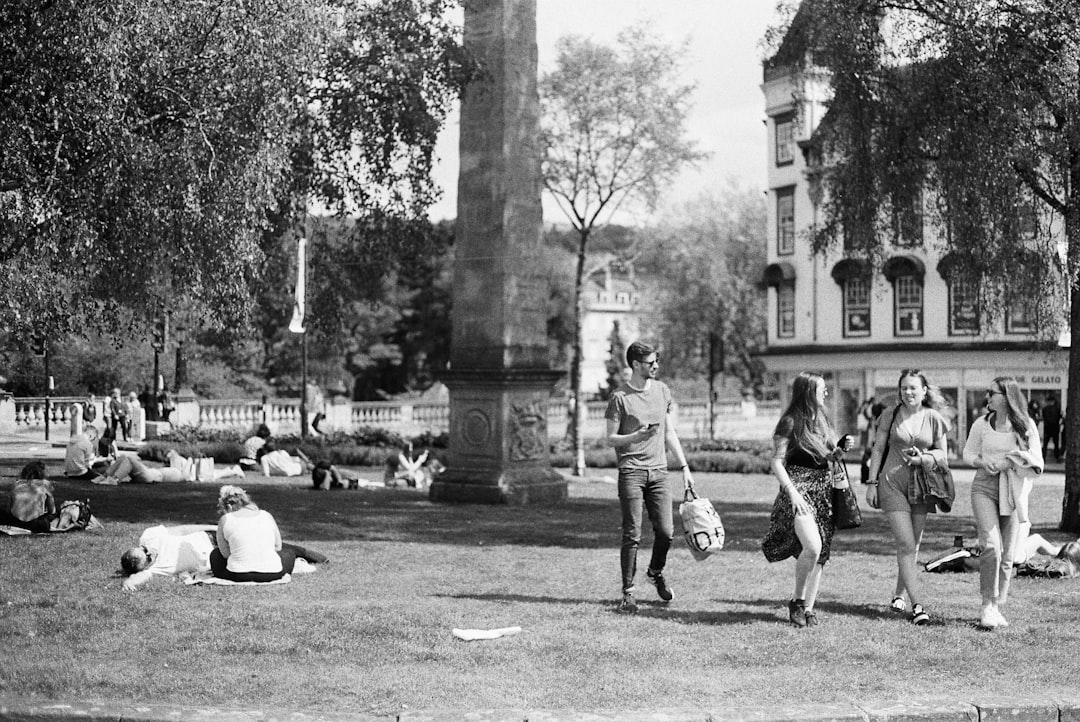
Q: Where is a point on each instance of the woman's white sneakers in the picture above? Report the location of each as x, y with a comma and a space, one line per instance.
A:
898, 605
991, 618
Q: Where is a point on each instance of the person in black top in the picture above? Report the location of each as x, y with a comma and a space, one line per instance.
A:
805, 458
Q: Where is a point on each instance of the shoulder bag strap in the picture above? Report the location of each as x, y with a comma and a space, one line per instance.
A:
885, 454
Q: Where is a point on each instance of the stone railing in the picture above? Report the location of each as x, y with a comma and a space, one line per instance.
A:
25, 416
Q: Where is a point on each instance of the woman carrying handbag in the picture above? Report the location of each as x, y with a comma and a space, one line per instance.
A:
909, 435
801, 525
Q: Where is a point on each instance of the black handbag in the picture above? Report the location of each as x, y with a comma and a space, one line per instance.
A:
845, 505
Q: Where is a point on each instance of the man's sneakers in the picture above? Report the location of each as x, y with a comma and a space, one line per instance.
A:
919, 616
628, 605
662, 588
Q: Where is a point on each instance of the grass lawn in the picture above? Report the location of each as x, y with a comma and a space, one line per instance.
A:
370, 631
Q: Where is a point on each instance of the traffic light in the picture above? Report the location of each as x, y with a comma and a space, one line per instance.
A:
40, 345
161, 333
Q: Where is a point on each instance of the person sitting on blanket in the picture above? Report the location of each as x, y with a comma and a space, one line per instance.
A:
174, 550
249, 543
31, 504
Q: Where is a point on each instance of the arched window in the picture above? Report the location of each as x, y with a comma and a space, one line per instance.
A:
854, 279
964, 305
906, 274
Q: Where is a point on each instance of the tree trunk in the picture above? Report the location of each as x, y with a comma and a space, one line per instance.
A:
1070, 503
577, 421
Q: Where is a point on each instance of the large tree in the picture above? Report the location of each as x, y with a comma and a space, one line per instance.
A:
707, 256
148, 144
976, 102
613, 128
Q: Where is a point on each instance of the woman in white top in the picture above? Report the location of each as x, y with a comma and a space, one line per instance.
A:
249, 543
995, 445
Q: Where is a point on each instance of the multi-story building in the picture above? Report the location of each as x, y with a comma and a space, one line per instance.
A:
859, 325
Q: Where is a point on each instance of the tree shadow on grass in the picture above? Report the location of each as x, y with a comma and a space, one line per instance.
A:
407, 516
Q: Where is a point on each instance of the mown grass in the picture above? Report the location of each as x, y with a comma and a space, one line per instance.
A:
370, 631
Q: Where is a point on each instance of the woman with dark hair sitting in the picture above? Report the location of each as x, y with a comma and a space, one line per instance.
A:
31, 505
255, 446
249, 544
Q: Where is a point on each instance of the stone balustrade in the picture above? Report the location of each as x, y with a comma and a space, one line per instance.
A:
26, 416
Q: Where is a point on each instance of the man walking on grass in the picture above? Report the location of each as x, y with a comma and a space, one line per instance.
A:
639, 426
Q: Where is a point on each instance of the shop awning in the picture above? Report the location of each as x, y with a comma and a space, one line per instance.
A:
850, 268
777, 273
903, 266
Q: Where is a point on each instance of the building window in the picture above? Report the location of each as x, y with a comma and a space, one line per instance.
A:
963, 306
908, 295
909, 222
856, 307
785, 221
785, 310
785, 139
1019, 317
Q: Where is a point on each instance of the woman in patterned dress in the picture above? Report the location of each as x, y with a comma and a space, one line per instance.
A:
909, 435
801, 526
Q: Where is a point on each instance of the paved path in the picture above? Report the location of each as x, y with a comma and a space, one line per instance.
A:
1031, 709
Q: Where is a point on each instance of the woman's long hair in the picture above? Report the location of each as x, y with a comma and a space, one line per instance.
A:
1016, 410
1070, 554
811, 429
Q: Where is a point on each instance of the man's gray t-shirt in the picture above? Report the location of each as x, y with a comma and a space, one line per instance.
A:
633, 409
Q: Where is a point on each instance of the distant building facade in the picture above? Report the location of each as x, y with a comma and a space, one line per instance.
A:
858, 325
611, 296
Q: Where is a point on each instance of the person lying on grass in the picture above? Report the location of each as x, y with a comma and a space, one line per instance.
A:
174, 550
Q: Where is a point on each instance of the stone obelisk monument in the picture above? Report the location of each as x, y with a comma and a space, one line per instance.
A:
500, 378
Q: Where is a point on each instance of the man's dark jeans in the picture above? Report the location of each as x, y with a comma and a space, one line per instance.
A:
646, 488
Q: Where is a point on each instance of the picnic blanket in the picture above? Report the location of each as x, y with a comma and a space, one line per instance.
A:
207, 577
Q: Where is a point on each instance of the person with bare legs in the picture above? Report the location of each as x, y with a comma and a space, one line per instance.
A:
910, 434
805, 451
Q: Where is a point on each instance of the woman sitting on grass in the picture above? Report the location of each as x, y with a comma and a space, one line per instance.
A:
249, 543
31, 505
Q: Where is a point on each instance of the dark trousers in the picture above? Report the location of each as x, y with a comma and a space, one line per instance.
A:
41, 525
219, 567
1052, 433
644, 489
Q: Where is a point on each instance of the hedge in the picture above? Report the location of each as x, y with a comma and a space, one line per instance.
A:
373, 447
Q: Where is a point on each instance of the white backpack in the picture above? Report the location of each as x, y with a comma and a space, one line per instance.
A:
702, 528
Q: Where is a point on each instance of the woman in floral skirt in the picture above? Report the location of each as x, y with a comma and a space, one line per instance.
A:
806, 450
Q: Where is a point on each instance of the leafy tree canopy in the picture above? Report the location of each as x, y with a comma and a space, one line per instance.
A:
150, 145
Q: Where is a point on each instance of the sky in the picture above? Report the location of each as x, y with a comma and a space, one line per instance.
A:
723, 59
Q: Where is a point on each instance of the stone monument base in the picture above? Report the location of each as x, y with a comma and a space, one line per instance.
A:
511, 486
499, 448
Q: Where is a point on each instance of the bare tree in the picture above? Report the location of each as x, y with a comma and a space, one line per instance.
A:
613, 126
